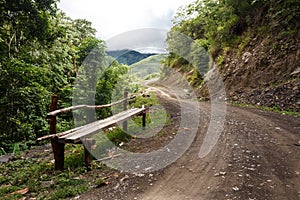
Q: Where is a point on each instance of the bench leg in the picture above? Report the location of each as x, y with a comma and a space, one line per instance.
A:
59, 153
87, 158
87, 155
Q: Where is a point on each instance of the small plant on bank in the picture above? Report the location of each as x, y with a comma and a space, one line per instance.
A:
270, 109
118, 136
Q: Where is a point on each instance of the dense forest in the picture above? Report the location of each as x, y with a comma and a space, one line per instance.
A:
42, 51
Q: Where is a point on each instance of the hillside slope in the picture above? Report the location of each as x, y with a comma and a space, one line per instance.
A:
265, 73
128, 57
148, 66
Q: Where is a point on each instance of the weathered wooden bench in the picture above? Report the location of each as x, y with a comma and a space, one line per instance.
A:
78, 135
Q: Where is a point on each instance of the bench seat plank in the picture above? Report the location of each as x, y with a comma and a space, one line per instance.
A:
75, 135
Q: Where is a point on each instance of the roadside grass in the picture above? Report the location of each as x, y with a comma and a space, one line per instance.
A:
156, 117
37, 175
117, 136
270, 109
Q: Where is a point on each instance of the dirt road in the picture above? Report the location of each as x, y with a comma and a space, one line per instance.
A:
257, 156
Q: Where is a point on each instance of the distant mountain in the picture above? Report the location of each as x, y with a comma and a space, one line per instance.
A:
128, 57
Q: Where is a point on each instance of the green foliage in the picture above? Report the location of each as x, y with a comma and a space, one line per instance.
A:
244, 43
196, 78
270, 109
146, 101
23, 173
158, 117
220, 60
24, 100
38, 175
198, 65
75, 159
117, 136
23, 22
280, 14
113, 79
175, 61
99, 181
67, 192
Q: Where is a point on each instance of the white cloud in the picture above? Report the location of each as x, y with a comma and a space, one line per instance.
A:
113, 17
143, 40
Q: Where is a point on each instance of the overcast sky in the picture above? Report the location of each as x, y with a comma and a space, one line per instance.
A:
114, 17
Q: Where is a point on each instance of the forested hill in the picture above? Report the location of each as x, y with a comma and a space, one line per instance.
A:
148, 68
254, 44
128, 57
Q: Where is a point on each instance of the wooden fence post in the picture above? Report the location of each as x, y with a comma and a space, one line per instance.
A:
57, 147
125, 108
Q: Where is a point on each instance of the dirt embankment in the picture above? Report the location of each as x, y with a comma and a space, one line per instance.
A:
265, 73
